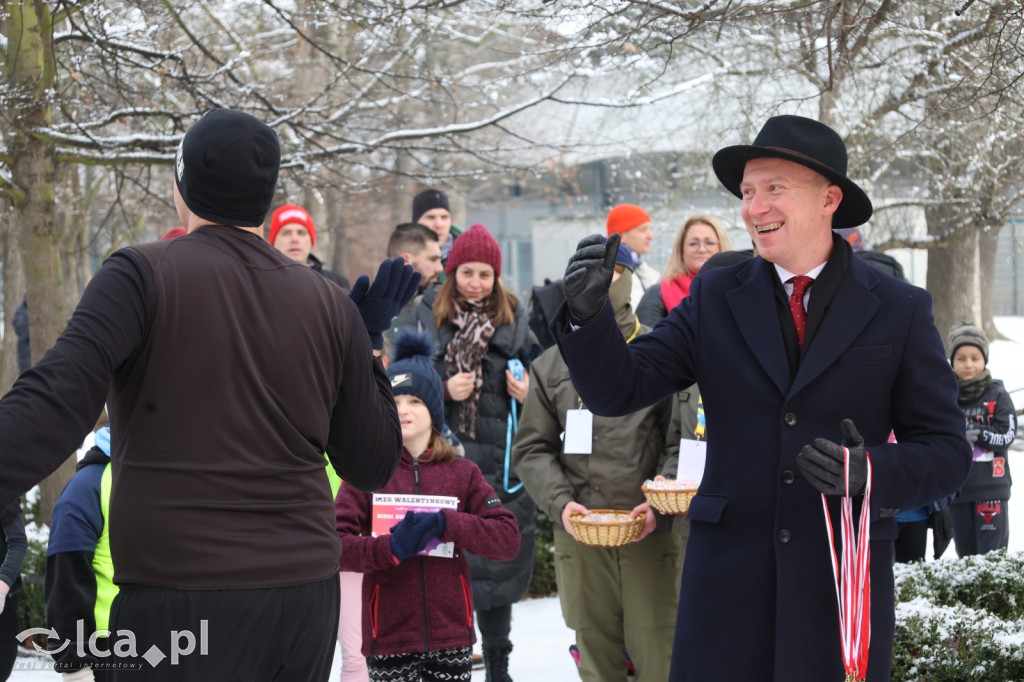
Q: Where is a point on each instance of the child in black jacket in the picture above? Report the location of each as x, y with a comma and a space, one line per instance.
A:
980, 521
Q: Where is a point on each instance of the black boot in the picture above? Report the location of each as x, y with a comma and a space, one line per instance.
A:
496, 662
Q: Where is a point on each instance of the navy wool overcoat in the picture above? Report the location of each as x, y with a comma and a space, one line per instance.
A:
758, 599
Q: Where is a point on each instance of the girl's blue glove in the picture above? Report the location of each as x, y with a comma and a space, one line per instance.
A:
411, 535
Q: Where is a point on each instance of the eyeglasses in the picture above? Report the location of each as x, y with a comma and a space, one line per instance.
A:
707, 244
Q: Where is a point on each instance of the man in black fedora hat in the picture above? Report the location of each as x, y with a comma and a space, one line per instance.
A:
798, 352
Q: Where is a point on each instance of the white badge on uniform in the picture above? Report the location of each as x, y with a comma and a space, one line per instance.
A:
692, 454
579, 432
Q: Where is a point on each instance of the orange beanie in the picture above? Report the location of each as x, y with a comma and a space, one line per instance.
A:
625, 217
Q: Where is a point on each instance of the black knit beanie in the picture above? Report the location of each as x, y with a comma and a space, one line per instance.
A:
226, 168
428, 200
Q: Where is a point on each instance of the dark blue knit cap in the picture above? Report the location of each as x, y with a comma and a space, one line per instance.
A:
411, 371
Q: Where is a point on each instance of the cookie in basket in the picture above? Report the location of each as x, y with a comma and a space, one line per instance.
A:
668, 495
606, 527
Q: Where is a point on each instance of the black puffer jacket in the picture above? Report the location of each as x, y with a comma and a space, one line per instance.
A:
495, 583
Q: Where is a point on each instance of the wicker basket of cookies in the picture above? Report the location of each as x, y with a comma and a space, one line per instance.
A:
606, 527
669, 496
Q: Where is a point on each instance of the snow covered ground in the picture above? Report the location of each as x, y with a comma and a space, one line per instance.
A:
540, 637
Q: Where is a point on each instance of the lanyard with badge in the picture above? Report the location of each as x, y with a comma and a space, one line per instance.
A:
693, 452
579, 430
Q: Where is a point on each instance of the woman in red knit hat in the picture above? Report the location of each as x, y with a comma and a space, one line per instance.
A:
480, 326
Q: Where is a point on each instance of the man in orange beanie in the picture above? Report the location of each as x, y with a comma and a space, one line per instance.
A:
633, 223
293, 233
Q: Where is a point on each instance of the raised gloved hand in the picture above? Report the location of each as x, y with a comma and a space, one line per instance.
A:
972, 435
393, 287
410, 535
80, 675
822, 462
588, 276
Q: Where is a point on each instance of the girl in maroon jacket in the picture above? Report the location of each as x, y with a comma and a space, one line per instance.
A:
418, 610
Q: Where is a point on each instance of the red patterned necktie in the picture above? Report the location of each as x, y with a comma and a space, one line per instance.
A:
796, 305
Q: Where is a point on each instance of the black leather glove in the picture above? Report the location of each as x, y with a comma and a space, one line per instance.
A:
411, 535
393, 287
588, 276
822, 462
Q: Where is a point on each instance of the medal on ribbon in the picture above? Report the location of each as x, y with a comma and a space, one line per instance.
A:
853, 576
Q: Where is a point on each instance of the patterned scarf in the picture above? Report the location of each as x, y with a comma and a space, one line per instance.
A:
971, 389
465, 353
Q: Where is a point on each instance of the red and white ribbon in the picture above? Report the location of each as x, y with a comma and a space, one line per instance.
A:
853, 578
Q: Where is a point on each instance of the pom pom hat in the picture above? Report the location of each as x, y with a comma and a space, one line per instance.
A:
625, 217
411, 371
475, 245
290, 213
967, 334
226, 168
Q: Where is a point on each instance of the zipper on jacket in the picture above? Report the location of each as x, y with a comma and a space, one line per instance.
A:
423, 599
467, 600
423, 580
374, 618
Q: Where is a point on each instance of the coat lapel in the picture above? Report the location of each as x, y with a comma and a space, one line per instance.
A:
847, 315
753, 307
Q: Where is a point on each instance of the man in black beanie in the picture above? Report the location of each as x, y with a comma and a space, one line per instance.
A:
228, 371
430, 208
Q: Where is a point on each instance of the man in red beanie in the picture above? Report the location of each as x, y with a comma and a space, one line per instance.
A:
633, 223
293, 233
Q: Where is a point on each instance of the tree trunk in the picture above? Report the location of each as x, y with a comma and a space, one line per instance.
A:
988, 249
30, 70
953, 273
13, 292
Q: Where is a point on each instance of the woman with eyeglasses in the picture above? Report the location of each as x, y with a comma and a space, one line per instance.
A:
701, 237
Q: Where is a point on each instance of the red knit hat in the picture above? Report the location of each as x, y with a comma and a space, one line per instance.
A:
178, 231
290, 213
625, 217
475, 245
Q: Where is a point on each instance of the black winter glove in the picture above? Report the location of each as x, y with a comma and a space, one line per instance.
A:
588, 276
393, 287
410, 535
822, 462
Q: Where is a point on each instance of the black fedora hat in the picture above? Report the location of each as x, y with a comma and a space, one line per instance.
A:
804, 141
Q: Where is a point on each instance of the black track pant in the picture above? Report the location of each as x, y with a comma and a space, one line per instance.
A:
282, 634
980, 527
8, 636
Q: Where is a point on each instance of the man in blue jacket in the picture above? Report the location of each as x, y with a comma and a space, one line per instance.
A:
785, 378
